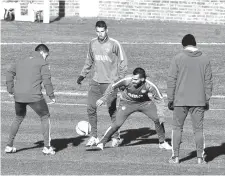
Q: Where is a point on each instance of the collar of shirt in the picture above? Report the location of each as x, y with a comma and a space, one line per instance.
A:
105, 39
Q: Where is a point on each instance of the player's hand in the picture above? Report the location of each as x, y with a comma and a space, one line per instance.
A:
170, 105
80, 79
161, 120
99, 102
206, 106
52, 101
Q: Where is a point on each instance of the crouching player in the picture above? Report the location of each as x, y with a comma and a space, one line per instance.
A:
136, 98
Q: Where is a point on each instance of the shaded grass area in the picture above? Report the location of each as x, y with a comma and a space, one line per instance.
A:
139, 153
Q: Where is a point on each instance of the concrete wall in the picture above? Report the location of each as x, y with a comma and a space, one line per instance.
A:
198, 11
201, 11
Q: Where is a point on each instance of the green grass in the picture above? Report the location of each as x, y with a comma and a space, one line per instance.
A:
139, 154
67, 60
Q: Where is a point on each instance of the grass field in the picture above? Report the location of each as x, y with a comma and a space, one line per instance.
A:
151, 45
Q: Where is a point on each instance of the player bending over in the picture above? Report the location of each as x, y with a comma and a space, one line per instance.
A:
136, 98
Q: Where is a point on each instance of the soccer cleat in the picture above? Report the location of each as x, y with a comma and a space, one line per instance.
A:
100, 146
9, 149
165, 145
92, 141
48, 151
174, 160
116, 142
201, 160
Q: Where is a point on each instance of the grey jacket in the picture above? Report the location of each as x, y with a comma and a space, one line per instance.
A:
189, 80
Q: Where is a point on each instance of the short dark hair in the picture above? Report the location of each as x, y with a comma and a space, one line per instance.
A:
139, 71
42, 47
101, 24
188, 39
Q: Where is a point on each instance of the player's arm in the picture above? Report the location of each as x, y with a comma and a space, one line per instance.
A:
46, 79
171, 80
157, 97
208, 84
11, 73
111, 88
119, 51
87, 66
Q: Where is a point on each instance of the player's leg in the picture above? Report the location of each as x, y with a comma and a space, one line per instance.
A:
197, 117
179, 116
41, 108
21, 110
111, 104
123, 112
149, 109
93, 95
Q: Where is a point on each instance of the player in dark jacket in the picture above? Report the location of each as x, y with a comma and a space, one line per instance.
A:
189, 88
29, 73
136, 98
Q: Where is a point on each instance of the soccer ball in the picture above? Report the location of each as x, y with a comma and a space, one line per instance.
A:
83, 128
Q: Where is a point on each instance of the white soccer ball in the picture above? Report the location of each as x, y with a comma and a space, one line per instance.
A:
83, 128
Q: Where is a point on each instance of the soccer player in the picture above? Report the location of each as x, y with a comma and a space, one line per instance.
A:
136, 98
189, 88
109, 60
29, 74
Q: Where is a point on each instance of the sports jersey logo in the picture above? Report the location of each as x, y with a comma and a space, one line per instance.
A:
107, 50
103, 58
134, 95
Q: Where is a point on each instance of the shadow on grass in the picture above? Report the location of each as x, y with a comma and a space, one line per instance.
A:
210, 153
58, 144
140, 136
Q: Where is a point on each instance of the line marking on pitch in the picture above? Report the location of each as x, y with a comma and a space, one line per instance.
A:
77, 104
125, 43
84, 93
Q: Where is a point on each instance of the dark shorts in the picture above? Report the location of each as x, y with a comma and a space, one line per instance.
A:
40, 107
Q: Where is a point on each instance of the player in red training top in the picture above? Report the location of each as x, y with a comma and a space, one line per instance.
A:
108, 59
136, 98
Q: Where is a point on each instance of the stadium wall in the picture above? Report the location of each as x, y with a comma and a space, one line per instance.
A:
197, 11
200, 11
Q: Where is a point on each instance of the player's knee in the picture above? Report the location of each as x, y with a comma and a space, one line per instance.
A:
19, 118
177, 127
198, 129
91, 110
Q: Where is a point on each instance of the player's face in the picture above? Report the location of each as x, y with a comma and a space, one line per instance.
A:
136, 80
101, 33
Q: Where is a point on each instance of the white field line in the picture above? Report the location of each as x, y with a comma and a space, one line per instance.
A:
79, 93
77, 104
125, 43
